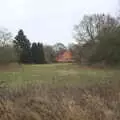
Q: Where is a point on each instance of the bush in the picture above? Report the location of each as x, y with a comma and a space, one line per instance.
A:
7, 55
7, 52
108, 49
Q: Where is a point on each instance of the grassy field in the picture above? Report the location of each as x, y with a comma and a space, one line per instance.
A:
58, 74
59, 92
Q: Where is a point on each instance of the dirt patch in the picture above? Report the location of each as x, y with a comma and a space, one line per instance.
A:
10, 67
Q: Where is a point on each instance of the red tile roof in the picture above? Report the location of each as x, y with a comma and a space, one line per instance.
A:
65, 56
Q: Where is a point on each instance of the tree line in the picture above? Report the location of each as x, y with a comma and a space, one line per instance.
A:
97, 43
26, 52
98, 40
21, 50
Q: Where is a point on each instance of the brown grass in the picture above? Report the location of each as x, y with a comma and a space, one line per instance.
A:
10, 67
43, 102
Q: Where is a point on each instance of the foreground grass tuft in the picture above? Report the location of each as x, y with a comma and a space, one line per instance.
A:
42, 102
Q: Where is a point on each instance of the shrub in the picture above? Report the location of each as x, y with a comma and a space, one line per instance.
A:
7, 55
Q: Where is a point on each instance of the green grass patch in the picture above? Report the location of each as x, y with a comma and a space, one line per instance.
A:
59, 74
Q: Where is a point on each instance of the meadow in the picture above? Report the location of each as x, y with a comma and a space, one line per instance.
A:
59, 92
58, 74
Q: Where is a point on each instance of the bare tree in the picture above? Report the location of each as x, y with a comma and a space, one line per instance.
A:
7, 52
5, 37
59, 47
76, 51
49, 53
89, 28
90, 31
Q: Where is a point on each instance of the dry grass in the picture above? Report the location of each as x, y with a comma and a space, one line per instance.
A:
43, 102
10, 67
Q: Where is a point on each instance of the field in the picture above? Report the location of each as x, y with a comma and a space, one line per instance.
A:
58, 74
59, 92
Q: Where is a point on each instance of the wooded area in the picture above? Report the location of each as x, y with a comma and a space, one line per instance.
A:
97, 37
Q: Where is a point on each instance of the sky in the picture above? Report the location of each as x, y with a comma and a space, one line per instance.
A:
50, 21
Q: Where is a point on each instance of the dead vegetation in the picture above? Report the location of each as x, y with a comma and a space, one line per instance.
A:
10, 67
43, 102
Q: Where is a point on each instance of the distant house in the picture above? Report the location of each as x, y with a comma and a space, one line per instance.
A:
64, 56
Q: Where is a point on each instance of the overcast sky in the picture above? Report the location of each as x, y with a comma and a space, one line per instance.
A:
49, 21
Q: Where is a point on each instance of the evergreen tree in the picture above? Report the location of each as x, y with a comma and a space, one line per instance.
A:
41, 56
22, 45
34, 51
37, 53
